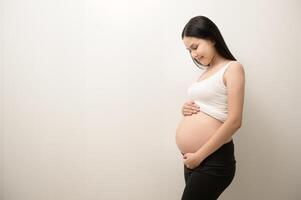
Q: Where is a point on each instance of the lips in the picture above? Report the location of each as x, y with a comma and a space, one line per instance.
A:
199, 59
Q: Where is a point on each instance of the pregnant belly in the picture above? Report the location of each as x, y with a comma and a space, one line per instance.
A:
194, 131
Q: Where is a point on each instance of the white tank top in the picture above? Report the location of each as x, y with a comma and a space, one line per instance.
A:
210, 95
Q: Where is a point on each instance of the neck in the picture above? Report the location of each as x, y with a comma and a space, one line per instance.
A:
216, 60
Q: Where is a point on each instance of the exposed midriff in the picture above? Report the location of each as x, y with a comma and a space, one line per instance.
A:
194, 130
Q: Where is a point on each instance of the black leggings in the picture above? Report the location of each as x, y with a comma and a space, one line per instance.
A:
215, 173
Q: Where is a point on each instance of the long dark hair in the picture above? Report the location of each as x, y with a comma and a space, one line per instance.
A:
202, 27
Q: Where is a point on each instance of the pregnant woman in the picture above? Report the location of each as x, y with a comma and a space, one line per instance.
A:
213, 113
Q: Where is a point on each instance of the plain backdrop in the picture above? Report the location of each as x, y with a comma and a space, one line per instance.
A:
91, 95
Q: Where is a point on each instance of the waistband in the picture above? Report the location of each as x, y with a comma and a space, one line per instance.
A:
222, 157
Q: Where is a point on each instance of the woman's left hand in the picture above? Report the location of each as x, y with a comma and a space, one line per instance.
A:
191, 160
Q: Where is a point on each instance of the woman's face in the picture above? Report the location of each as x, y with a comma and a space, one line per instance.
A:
200, 49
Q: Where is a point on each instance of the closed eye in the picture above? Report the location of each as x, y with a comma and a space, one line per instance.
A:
193, 48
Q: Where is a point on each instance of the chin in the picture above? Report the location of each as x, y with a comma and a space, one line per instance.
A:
206, 64
201, 62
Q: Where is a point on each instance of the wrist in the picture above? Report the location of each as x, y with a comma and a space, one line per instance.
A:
199, 155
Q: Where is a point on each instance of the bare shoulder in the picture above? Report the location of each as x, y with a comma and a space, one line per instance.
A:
235, 70
235, 65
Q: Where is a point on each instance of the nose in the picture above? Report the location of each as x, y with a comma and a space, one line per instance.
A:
194, 55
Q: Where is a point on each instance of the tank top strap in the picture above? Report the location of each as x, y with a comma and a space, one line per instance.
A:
225, 67
222, 72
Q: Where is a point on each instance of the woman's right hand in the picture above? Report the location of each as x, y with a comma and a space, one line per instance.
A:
190, 108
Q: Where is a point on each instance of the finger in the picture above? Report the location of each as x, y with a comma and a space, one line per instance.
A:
187, 110
194, 109
190, 101
187, 113
191, 107
194, 106
190, 111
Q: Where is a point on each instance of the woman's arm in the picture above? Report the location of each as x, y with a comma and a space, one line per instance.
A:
235, 81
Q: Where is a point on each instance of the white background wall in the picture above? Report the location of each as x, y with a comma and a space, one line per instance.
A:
1, 101
91, 95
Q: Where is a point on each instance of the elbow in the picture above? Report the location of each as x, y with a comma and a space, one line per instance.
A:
236, 123
239, 124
